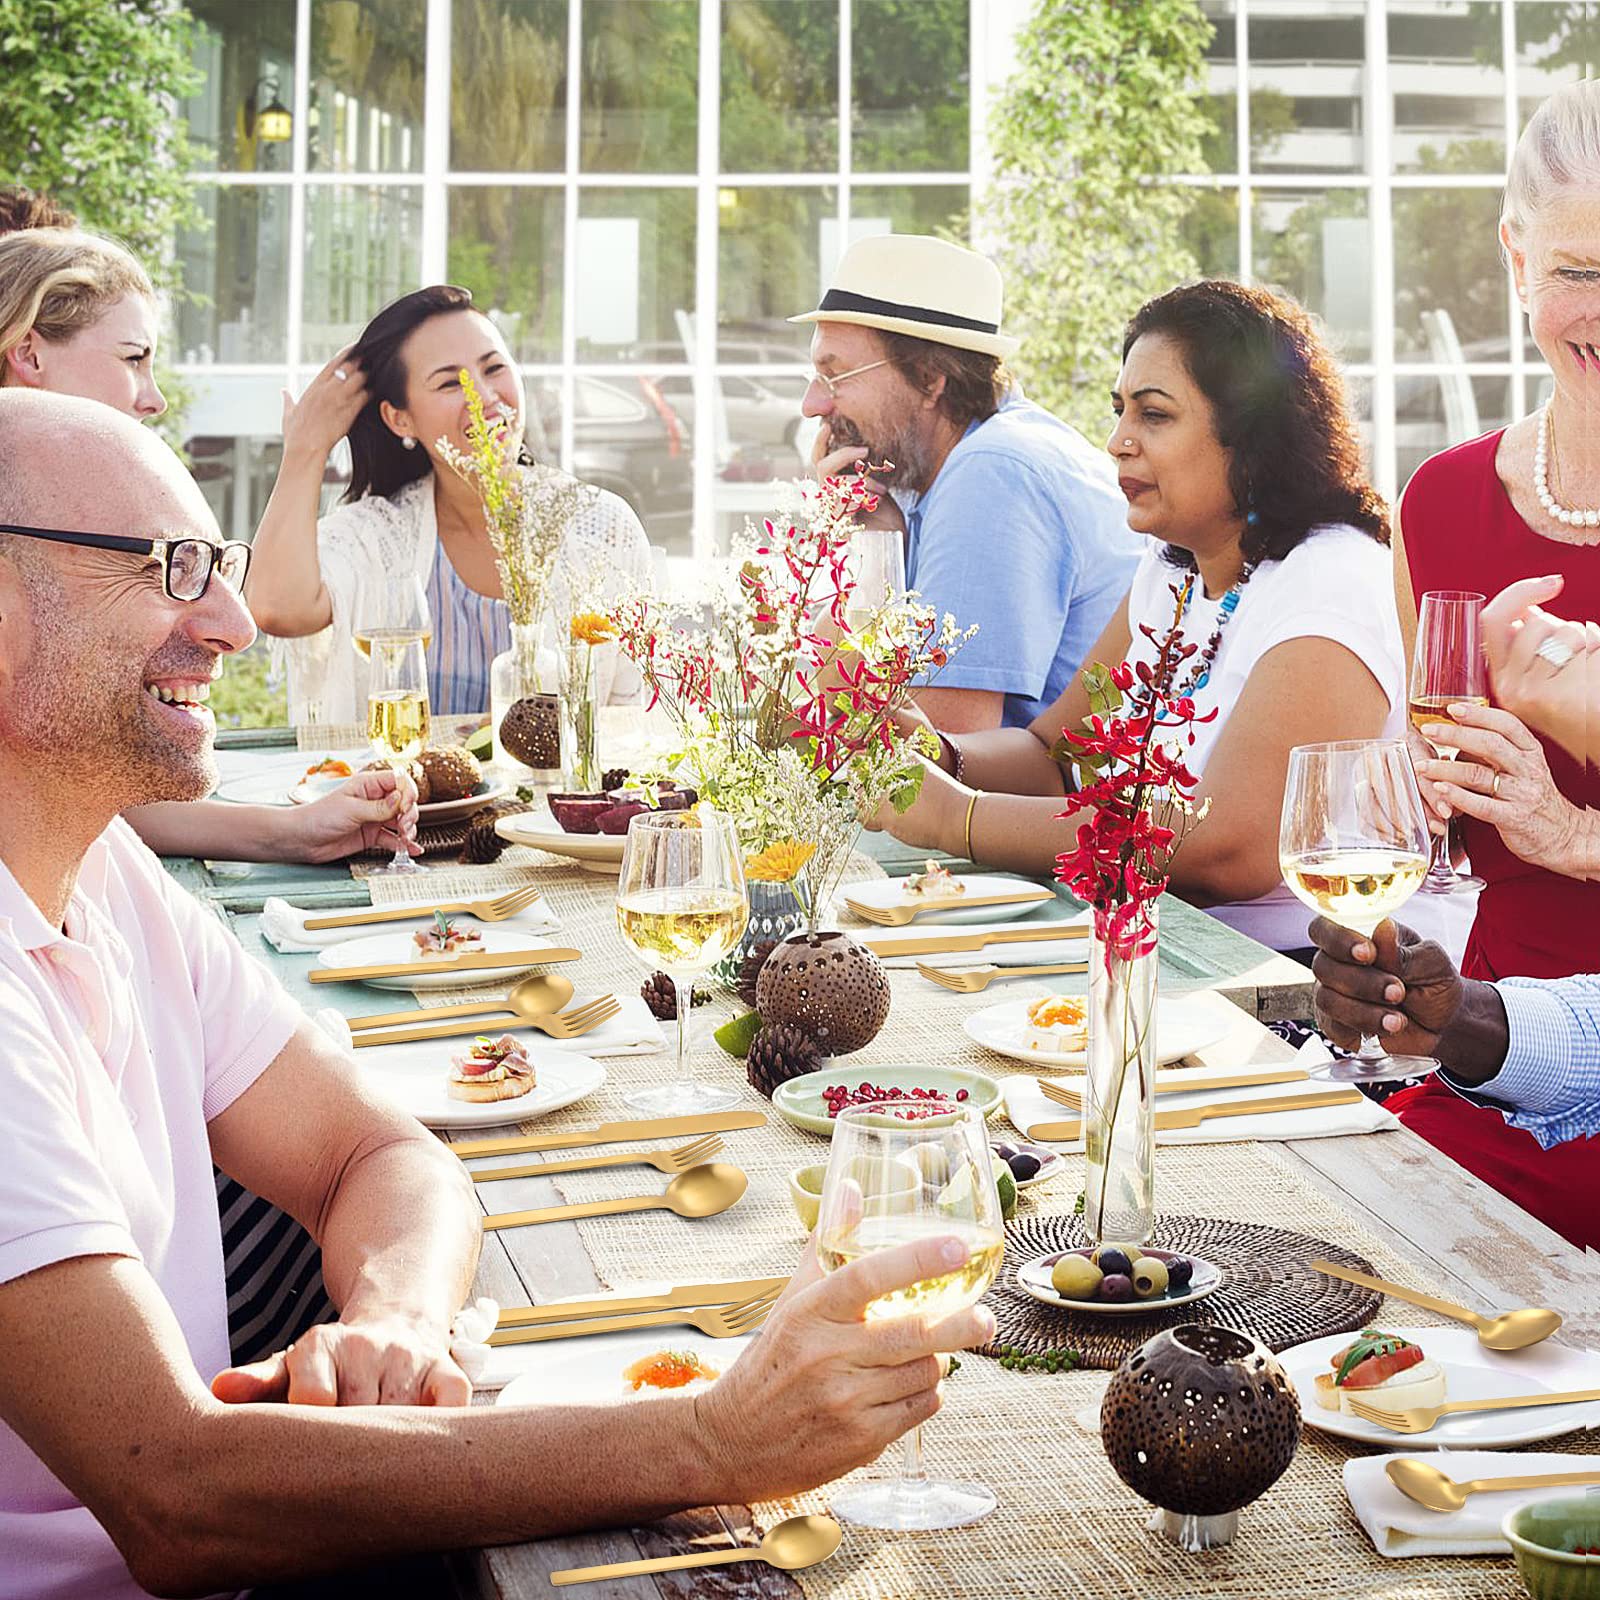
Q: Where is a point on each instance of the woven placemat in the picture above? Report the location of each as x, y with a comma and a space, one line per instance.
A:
1269, 1290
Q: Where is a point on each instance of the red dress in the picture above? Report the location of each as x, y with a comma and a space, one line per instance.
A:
1462, 532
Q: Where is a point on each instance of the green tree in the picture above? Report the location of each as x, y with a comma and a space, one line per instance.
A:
1103, 106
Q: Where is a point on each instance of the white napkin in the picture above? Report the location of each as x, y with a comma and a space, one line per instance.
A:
1027, 1105
1398, 1526
284, 926
1021, 954
469, 1340
632, 1032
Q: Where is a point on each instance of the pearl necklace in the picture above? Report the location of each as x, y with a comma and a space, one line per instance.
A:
1541, 481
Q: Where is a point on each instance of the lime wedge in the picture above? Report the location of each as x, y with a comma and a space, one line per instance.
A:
737, 1036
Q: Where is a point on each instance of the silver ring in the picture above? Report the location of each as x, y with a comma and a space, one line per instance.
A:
1556, 651
341, 374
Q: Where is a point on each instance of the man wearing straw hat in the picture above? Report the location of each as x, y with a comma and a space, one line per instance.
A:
1012, 519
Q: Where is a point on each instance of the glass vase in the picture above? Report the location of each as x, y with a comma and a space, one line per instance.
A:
523, 686
1119, 1088
580, 721
776, 911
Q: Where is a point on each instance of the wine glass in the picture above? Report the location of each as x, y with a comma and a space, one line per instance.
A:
397, 713
1353, 846
391, 609
1448, 666
947, 1145
681, 906
878, 565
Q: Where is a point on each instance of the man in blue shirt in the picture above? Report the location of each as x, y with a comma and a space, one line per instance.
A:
1012, 519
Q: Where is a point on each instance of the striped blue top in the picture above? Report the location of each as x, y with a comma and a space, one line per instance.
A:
1549, 1082
469, 631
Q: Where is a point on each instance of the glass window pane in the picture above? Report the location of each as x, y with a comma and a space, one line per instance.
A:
1358, 396
508, 85
1558, 41
1307, 75
1435, 411
1220, 146
910, 208
234, 445
1211, 231
362, 251
366, 85
635, 273
1448, 84
245, 49
1449, 287
641, 85
235, 273
1315, 245
506, 247
774, 247
780, 85
911, 66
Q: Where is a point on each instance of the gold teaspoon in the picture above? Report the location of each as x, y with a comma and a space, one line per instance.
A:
1429, 1487
702, 1191
1511, 1330
795, 1543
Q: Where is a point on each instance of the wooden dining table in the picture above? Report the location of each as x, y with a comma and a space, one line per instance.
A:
1065, 1525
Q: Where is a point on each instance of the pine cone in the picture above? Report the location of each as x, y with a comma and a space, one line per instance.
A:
615, 778
750, 970
483, 845
777, 1054
661, 995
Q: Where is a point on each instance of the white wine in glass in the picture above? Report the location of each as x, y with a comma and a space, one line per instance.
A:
952, 1194
1448, 666
681, 907
1353, 845
397, 716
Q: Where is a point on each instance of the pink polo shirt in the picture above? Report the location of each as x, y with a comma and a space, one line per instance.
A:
119, 1039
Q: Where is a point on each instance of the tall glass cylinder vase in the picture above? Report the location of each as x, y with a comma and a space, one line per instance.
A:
524, 707
1119, 1093
580, 720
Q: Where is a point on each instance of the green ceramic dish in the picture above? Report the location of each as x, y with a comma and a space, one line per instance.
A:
1543, 1536
800, 1099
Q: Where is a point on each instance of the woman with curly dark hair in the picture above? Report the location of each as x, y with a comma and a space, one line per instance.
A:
1238, 456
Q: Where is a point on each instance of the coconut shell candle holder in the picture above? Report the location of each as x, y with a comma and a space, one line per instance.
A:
1200, 1421
829, 987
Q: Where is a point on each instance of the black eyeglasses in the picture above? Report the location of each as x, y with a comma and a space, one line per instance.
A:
186, 564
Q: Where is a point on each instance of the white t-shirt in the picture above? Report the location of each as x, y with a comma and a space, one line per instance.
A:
1336, 584
120, 1038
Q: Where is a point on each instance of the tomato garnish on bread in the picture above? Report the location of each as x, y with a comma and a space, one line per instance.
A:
1372, 1361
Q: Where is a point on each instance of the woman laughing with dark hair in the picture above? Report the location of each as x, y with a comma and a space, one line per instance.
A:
1239, 459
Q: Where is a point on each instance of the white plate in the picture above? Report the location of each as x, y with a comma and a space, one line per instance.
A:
1033, 1279
595, 852
269, 784
389, 949
1471, 1372
887, 894
588, 1372
1181, 1028
415, 1078
428, 816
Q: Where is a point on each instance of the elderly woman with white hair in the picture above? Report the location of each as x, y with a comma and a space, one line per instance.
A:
1524, 502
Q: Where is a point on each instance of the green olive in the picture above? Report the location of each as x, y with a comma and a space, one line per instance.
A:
1075, 1278
1149, 1277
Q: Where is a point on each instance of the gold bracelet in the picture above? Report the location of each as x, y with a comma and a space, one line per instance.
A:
972, 805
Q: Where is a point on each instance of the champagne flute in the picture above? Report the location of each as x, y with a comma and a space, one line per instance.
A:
1353, 846
391, 609
397, 714
1448, 666
878, 565
947, 1145
682, 906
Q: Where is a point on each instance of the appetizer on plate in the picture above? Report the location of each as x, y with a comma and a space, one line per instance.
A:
668, 1369
494, 1069
330, 767
445, 938
934, 882
1057, 1024
1384, 1367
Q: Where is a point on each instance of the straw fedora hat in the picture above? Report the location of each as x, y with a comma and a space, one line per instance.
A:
911, 283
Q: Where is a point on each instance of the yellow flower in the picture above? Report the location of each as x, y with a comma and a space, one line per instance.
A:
592, 627
779, 863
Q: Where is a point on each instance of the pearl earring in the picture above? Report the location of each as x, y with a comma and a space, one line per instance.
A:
408, 443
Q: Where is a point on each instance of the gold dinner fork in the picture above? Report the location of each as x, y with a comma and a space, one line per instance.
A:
720, 1322
670, 1161
562, 1025
900, 916
975, 979
494, 909
1418, 1419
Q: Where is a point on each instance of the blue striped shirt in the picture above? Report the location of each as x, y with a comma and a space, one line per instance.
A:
1550, 1080
469, 631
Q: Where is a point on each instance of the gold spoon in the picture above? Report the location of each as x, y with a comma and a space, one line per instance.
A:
1429, 1487
1511, 1330
702, 1191
793, 1544
536, 996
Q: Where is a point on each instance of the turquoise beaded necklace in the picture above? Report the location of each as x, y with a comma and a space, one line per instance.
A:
1230, 604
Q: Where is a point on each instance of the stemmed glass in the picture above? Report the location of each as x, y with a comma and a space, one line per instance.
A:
1448, 666
878, 565
397, 714
945, 1144
391, 610
1353, 846
682, 906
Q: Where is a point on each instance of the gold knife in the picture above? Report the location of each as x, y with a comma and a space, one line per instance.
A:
613, 1133
686, 1294
1166, 1085
473, 963
361, 919
928, 944
1195, 1115
957, 902
629, 1323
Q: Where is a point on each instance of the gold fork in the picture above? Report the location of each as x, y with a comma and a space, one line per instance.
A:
1073, 1098
563, 1025
720, 1322
494, 909
900, 916
976, 979
673, 1161
1418, 1419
